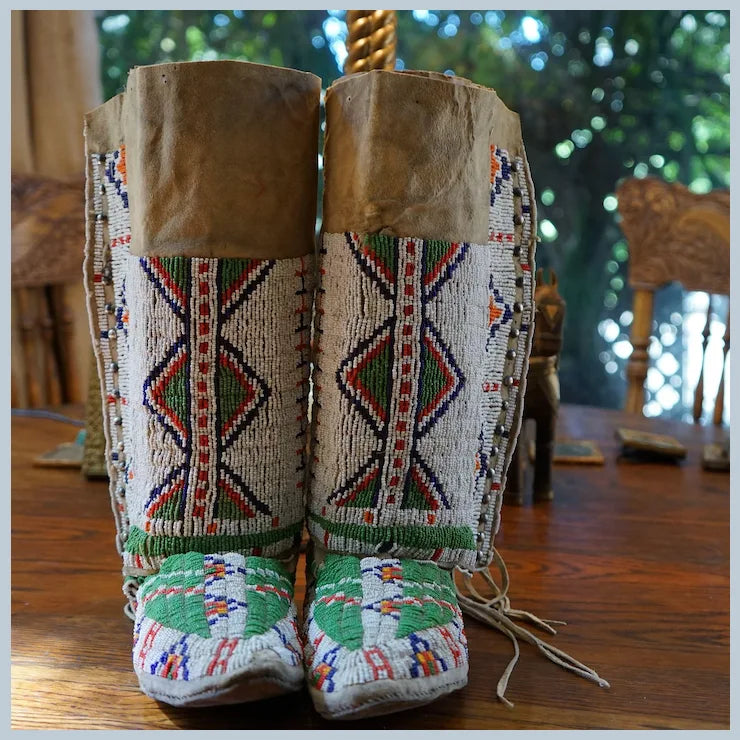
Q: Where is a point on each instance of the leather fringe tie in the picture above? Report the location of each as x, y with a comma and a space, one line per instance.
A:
497, 613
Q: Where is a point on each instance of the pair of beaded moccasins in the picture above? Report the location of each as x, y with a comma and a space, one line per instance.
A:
251, 384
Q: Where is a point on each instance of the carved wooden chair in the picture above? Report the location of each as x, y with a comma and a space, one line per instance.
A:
47, 239
673, 234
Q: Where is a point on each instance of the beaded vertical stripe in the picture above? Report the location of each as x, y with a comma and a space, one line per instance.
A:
421, 350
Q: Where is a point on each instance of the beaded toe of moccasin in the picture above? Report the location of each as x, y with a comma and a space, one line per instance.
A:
382, 635
217, 629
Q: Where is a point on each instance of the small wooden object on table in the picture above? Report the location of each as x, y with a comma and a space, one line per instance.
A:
716, 456
64, 455
542, 397
571, 452
647, 444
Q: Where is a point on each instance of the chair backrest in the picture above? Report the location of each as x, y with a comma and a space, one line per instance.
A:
673, 235
48, 323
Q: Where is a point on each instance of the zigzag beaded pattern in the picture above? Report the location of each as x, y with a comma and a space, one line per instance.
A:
420, 350
207, 615
219, 353
206, 400
381, 618
404, 377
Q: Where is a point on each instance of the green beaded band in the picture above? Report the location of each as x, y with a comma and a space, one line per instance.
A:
140, 543
411, 537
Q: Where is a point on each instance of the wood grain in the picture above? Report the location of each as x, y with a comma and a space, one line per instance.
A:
635, 557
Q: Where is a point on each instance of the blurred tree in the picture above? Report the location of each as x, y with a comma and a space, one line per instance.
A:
602, 95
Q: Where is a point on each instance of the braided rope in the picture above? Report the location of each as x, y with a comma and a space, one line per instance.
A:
372, 40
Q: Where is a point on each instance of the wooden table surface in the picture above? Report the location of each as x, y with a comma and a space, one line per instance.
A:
635, 557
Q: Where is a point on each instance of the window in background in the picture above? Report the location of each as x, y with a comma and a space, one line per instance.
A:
602, 95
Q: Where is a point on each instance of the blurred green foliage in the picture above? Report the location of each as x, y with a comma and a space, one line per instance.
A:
602, 95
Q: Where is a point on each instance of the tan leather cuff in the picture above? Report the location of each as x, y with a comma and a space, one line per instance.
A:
408, 154
221, 158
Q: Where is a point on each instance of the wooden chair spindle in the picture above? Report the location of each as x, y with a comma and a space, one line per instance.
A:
699, 392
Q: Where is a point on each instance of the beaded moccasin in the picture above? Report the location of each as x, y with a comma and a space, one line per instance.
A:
424, 313
201, 330
217, 629
381, 635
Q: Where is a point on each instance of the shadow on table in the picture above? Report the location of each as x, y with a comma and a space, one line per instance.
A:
648, 458
296, 712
